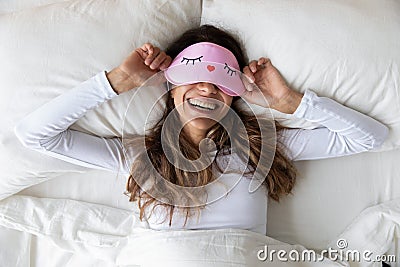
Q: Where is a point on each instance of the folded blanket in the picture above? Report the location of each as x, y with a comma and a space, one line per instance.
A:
117, 236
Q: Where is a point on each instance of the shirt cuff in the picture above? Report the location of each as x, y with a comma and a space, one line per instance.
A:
104, 85
305, 104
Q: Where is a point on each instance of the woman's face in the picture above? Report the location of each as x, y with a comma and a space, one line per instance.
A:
200, 105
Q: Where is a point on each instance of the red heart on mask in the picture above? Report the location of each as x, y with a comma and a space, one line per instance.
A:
210, 68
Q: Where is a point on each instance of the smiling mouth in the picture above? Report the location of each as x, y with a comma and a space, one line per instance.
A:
202, 104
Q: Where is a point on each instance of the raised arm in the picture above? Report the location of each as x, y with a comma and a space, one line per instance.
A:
343, 130
47, 128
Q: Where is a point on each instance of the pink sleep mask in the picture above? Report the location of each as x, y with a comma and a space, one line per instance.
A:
207, 62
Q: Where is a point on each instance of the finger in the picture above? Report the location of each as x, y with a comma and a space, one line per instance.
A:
253, 66
147, 48
142, 53
248, 85
248, 73
246, 82
158, 60
262, 61
166, 63
149, 59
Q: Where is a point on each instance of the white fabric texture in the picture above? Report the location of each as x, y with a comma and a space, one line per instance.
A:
74, 226
18, 5
15, 247
345, 132
347, 50
373, 230
44, 48
114, 236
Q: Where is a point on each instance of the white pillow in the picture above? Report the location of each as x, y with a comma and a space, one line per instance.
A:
346, 50
48, 50
374, 231
17, 5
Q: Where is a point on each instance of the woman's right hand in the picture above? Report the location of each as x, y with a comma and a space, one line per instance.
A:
272, 87
140, 65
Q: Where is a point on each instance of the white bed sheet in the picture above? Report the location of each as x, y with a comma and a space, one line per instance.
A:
18, 5
325, 201
22, 249
99, 232
328, 196
331, 193
115, 236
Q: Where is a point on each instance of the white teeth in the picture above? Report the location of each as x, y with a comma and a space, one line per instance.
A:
199, 103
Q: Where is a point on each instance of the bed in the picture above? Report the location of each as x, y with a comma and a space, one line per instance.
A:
54, 213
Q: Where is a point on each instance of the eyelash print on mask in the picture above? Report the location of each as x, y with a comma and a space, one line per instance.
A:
191, 60
230, 71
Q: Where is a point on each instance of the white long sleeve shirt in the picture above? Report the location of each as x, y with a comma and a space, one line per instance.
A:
343, 131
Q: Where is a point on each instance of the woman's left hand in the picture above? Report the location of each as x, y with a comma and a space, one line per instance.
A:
272, 87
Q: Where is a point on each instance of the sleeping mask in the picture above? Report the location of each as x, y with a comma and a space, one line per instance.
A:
207, 62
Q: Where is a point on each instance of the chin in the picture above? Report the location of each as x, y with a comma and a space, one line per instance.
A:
202, 124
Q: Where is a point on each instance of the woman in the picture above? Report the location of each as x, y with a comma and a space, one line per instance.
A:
343, 131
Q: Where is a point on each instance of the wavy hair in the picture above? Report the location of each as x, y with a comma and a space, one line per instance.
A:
280, 177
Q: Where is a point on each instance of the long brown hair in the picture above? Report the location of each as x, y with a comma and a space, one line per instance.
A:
280, 177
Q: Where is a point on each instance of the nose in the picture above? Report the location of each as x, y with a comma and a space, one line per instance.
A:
207, 88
